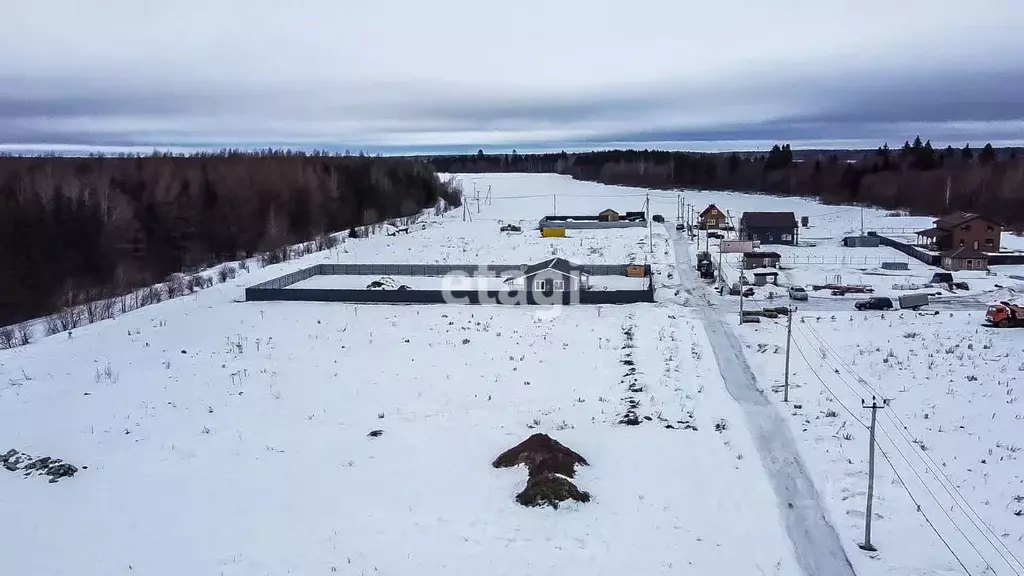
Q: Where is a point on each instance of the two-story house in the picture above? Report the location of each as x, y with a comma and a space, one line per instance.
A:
769, 227
712, 218
963, 230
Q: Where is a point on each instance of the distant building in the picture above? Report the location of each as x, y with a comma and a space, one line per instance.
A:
962, 230
712, 218
608, 215
965, 258
769, 227
753, 260
763, 277
861, 242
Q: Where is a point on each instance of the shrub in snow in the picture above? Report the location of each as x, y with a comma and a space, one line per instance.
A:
7, 337
324, 242
175, 285
225, 273
22, 335
63, 320
150, 295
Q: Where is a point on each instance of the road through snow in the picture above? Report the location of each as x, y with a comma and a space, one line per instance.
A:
817, 545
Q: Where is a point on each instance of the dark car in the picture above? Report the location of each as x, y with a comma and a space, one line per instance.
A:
874, 303
716, 235
680, 226
658, 218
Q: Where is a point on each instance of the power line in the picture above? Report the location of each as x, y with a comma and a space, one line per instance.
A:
887, 459
934, 468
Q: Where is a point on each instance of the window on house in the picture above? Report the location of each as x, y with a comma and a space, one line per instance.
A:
787, 236
990, 228
990, 242
538, 285
970, 264
559, 284
966, 227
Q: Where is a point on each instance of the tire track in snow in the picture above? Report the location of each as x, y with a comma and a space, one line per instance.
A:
816, 544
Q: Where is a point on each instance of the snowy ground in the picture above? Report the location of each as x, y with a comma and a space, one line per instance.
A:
458, 282
822, 259
954, 421
224, 437
232, 438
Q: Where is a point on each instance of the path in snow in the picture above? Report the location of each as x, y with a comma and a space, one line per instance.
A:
817, 545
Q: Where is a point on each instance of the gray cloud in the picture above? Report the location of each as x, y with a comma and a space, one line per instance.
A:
590, 74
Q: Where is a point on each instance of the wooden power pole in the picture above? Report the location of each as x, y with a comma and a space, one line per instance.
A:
789, 340
875, 407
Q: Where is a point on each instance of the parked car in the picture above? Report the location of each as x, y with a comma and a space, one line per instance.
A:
716, 235
658, 218
797, 293
874, 303
681, 226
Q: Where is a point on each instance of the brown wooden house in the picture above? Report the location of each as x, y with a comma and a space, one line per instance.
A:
963, 230
608, 215
712, 218
964, 258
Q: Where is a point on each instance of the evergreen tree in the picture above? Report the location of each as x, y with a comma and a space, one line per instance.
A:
987, 155
966, 153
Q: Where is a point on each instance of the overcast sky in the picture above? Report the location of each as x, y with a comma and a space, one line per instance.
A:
412, 75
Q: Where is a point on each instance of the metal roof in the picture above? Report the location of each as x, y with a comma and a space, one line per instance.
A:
768, 220
558, 264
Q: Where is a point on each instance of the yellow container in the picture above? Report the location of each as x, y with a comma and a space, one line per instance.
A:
553, 232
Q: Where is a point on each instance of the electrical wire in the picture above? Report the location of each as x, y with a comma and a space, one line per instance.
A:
891, 465
932, 466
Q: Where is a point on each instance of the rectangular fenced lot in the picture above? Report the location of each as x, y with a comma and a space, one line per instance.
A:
278, 289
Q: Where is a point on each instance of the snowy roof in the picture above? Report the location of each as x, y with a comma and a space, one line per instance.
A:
768, 220
764, 272
965, 252
932, 233
709, 209
558, 264
958, 218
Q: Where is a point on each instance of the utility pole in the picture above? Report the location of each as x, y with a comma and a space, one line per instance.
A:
789, 341
554, 205
875, 407
741, 298
650, 223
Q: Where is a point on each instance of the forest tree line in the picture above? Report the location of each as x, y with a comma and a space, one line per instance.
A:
913, 177
76, 229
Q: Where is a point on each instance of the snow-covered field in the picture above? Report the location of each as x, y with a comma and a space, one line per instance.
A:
224, 437
952, 431
457, 282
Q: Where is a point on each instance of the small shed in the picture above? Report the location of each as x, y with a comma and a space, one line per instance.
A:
608, 215
764, 276
753, 260
895, 266
636, 271
861, 242
635, 216
964, 258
